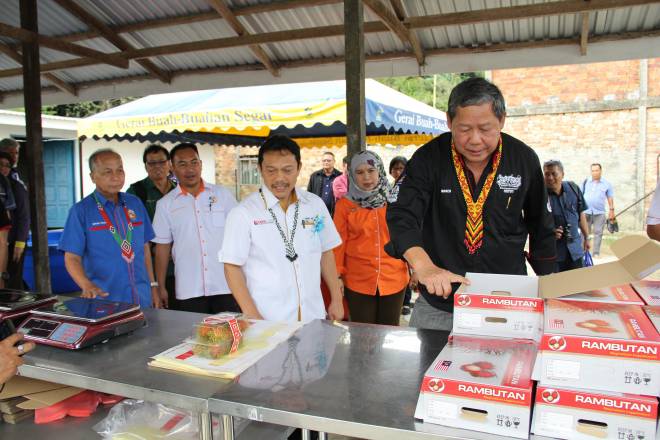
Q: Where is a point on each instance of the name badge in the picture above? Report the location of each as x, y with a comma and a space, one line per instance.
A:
263, 222
308, 223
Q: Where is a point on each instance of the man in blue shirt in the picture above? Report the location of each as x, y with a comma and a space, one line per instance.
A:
568, 207
106, 238
596, 191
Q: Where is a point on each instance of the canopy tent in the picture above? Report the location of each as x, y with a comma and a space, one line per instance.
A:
313, 113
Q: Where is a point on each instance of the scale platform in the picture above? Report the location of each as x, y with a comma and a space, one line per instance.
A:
16, 304
75, 323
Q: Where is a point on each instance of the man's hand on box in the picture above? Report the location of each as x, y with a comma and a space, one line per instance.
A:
437, 280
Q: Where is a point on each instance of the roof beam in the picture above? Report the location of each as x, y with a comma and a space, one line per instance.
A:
202, 16
486, 48
520, 12
459, 18
104, 30
396, 26
281, 5
584, 34
456, 18
52, 78
26, 36
221, 7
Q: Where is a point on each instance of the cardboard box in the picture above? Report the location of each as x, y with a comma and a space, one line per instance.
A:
482, 384
600, 346
584, 414
505, 306
649, 290
638, 257
623, 294
19, 386
653, 312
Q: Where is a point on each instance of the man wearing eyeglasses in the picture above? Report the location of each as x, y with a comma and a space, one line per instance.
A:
190, 222
150, 190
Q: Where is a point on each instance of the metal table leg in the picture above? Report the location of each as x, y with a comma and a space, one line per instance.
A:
323, 436
306, 434
228, 427
206, 426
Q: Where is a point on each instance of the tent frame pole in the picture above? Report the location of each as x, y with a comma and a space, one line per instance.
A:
356, 129
34, 149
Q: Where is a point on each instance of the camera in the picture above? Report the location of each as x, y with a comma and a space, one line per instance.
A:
560, 221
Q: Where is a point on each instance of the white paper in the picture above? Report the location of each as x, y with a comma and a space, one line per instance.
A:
469, 320
437, 409
558, 369
258, 340
554, 423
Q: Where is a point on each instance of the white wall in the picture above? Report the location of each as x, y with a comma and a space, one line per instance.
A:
131, 153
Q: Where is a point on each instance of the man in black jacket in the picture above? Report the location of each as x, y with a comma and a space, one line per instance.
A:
320, 182
20, 226
467, 203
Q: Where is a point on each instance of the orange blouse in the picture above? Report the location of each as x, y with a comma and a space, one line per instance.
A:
361, 259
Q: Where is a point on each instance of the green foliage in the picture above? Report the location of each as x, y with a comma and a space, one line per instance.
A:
421, 87
84, 109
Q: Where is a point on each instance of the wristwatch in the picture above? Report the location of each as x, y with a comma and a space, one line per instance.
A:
154, 284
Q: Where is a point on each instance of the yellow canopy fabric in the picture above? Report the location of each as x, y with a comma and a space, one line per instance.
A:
238, 121
246, 114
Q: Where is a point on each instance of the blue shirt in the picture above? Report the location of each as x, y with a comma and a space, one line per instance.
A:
596, 193
87, 235
566, 209
326, 192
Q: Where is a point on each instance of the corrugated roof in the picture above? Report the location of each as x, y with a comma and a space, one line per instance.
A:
246, 69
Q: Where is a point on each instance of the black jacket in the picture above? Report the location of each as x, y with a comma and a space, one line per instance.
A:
20, 220
315, 184
430, 212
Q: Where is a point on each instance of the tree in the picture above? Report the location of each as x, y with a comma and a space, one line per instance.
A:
421, 87
84, 109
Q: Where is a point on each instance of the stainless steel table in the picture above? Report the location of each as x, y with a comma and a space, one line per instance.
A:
120, 366
72, 428
350, 379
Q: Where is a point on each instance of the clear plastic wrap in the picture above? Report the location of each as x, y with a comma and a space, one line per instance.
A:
217, 336
139, 420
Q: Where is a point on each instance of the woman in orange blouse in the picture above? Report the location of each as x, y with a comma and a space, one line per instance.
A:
374, 282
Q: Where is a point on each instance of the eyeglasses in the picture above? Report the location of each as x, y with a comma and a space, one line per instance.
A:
156, 163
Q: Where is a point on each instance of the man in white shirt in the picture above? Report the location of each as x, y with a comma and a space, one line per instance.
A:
190, 222
278, 243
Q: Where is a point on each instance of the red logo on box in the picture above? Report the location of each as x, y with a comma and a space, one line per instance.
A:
557, 343
550, 396
436, 385
463, 300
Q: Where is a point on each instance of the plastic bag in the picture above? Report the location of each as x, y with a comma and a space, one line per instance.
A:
140, 420
588, 260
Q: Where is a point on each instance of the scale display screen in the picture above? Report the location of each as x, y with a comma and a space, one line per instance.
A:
86, 309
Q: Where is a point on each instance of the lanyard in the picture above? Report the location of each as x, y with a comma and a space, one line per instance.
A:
124, 243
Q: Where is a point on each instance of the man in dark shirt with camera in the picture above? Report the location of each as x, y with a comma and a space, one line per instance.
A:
568, 210
468, 202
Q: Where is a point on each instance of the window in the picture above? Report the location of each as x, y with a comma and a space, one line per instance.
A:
248, 171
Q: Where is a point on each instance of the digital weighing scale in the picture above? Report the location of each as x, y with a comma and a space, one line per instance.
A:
16, 304
75, 323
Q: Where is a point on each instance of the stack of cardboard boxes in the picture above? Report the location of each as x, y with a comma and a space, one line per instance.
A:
597, 367
599, 372
21, 396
